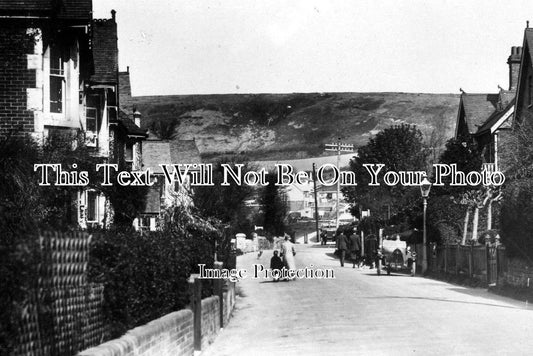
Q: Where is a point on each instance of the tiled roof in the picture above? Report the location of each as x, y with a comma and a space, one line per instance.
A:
169, 152
124, 91
478, 108
493, 119
63, 9
105, 51
154, 154
184, 151
506, 96
132, 129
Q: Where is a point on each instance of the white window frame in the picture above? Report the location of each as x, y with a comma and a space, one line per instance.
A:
57, 70
91, 136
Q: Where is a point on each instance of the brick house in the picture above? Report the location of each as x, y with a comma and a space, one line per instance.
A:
524, 93
487, 118
59, 76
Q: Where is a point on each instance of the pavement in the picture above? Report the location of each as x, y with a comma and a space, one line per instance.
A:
360, 313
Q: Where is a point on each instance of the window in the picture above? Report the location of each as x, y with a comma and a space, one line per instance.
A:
111, 105
57, 79
92, 206
129, 152
112, 113
91, 134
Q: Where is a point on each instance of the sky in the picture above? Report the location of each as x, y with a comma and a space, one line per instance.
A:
285, 46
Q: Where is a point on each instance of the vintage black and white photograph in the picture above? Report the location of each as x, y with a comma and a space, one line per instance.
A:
266, 177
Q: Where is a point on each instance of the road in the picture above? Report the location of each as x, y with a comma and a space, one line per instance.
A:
360, 313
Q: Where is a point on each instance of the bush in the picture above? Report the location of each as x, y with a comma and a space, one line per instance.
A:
516, 219
145, 275
21, 209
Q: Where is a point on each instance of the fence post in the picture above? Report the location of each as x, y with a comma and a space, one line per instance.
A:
497, 266
220, 293
487, 258
470, 262
457, 253
446, 258
195, 291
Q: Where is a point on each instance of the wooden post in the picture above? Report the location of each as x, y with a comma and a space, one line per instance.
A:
497, 266
195, 291
219, 291
316, 205
487, 260
378, 265
471, 262
457, 253
363, 245
446, 258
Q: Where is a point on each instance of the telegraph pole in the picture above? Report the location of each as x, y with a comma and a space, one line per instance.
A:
339, 147
316, 204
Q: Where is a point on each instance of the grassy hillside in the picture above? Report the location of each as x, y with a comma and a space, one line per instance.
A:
289, 126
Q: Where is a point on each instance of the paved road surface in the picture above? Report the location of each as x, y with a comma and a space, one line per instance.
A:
359, 313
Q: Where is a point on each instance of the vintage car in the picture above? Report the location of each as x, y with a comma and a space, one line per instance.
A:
329, 229
396, 255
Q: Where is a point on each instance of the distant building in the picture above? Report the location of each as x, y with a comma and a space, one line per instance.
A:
300, 199
327, 204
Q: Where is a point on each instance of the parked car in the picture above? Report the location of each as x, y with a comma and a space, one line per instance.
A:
395, 254
329, 229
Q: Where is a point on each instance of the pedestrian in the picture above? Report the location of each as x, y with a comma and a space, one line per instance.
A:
276, 264
324, 237
371, 250
410, 254
355, 248
342, 246
288, 253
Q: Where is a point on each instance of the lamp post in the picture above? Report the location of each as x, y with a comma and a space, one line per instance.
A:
425, 187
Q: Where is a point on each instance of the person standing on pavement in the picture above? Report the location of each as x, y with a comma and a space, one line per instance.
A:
355, 247
342, 246
371, 248
288, 253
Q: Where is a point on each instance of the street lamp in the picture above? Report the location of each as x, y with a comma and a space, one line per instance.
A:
425, 187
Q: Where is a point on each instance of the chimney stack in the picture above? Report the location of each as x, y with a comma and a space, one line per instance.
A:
514, 66
137, 117
113, 14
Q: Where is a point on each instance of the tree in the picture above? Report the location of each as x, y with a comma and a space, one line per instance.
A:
463, 152
399, 148
274, 203
516, 218
165, 128
226, 203
516, 210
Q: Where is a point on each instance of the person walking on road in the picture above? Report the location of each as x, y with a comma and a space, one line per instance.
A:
355, 248
342, 246
276, 264
288, 253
